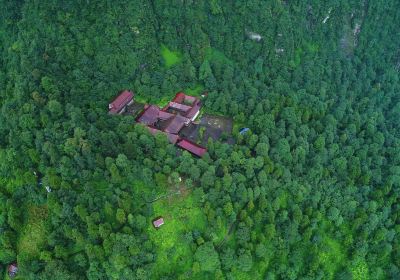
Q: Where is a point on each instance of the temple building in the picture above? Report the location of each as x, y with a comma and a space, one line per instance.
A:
170, 120
119, 104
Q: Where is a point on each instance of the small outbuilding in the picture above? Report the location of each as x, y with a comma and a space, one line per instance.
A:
149, 116
244, 130
12, 270
158, 222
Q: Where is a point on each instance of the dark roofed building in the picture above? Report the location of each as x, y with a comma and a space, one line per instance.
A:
164, 115
12, 270
192, 147
194, 111
179, 97
119, 104
158, 222
172, 138
177, 106
149, 116
176, 124
188, 106
170, 120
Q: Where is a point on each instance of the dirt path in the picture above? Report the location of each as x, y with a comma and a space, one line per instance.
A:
231, 228
182, 190
227, 234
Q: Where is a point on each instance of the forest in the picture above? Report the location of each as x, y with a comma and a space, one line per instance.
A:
310, 191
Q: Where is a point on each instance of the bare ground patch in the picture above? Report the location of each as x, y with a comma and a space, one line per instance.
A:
210, 126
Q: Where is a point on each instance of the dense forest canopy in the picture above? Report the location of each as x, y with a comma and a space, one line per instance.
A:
311, 191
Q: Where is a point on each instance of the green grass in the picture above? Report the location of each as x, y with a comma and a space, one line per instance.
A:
33, 234
164, 101
332, 254
140, 99
359, 270
312, 47
299, 53
196, 91
215, 55
12, 184
170, 57
332, 257
181, 215
159, 102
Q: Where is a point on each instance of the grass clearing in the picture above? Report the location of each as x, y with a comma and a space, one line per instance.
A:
217, 56
164, 101
312, 47
195, 91
332, 257
170, 57
332, 254
181, 215
33, 235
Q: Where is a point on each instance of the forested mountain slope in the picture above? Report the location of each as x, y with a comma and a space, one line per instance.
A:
312, 191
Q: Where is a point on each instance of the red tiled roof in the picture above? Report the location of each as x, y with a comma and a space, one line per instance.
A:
176, 124
180, 107
149, 115
182, 98
190, 99
172, 138
179, 97
192, 147
158, 222
164, 115
121, 101
194, 111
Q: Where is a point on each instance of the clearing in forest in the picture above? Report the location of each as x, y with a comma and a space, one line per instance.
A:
170, 57
213, 54
195, 91
182, 216
33, 235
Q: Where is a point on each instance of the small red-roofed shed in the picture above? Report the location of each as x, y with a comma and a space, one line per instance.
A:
192, 147
179, 97
119, 104
12, 270
194, 111
158, 222
182, 98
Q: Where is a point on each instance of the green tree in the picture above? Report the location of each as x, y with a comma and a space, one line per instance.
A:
207, 257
